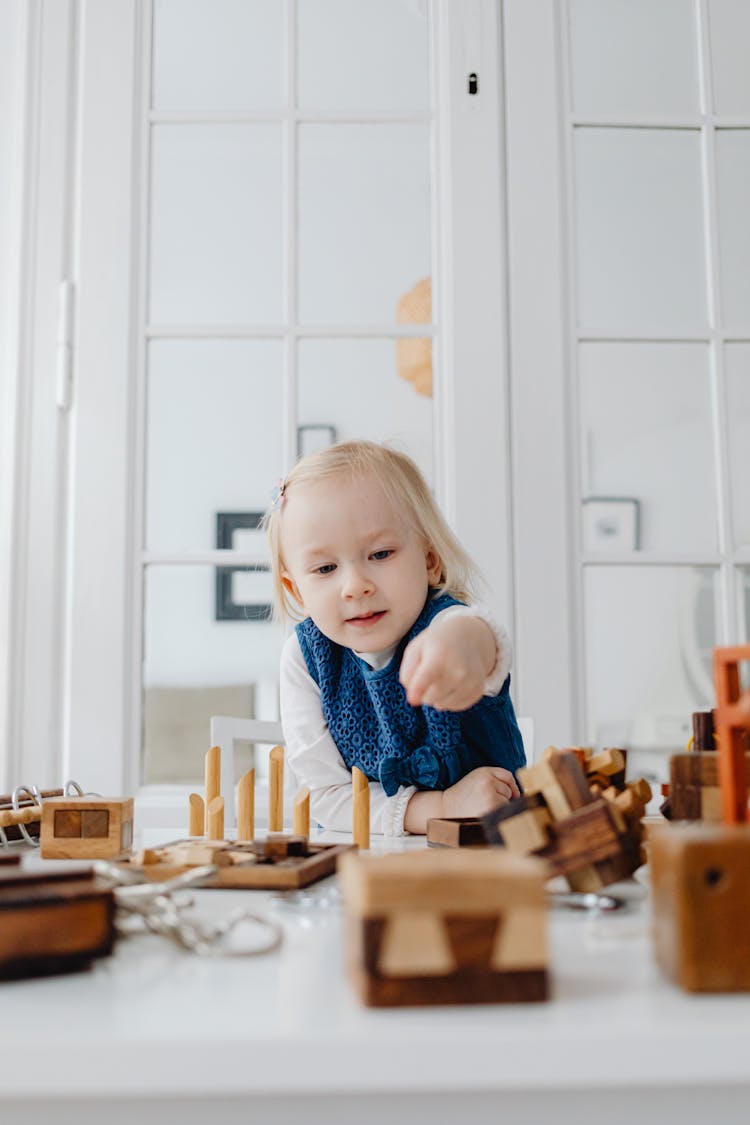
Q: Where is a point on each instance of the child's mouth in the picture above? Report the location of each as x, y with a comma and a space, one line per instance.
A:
366, 619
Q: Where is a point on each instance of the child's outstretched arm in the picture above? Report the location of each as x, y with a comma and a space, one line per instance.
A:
448, 664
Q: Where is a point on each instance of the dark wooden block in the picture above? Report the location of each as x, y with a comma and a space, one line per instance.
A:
53, 923
694, 786
94, 823
455, 832
491, 820
67, 824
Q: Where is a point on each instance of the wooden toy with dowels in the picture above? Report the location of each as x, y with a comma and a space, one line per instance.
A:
277, 861
700, 872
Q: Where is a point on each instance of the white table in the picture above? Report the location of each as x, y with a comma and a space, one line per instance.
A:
155, 1034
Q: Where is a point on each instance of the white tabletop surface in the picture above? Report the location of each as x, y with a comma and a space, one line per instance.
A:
155, 1022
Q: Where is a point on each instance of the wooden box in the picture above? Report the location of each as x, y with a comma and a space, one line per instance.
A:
455, 832
700, 885
445, 927
86, 827
52, 923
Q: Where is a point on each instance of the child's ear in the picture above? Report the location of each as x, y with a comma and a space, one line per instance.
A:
434, 565
291, 588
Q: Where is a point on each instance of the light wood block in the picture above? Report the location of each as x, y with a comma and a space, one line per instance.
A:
215, 819
527, 832
360, 809
415, 943
197, 815
301, 813
246, 806
86, 827
521, 939
561, 781
212, 780
700, 881
276, 789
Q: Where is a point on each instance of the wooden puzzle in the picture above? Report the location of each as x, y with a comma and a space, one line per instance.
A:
700, 872
278, 862
86, 827
445, 927
52, 923
577, 813
694, 792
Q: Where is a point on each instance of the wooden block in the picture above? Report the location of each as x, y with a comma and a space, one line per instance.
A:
492, 821
195, 853
246, 806
415, 943
608, 762
67, 824
690, 776
454, 881
95, 824
215, 819
276, 789
52, 923
279, 846
700, 880
445, 927
561, 781
301, 813
212, 770
642, 790
732, 722
586, 837
703, 731
455, 832
526, 832
360, 809
521, 939
197, 823
70, 814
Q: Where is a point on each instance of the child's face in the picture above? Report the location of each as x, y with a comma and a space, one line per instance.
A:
353, 564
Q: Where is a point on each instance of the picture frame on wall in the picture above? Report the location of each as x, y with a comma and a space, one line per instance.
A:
611, 523
243, 593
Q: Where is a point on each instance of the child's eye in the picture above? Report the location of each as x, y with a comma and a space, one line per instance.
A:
382, 554
327, 568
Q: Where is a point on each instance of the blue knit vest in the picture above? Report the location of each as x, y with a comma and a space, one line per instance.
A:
375, 728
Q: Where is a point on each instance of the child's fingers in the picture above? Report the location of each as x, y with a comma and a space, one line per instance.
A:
504, 778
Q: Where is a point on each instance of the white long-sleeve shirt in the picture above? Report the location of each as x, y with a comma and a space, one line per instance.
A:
313, 755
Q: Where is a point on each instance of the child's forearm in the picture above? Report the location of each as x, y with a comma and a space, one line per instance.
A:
421, 807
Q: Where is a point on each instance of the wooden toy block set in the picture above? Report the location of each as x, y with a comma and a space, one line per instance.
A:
466, 920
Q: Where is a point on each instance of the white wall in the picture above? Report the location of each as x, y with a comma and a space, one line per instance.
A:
12, 74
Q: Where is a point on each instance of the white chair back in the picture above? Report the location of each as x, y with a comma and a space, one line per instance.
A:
225, 731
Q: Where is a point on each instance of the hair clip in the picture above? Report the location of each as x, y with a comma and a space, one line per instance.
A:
278, 494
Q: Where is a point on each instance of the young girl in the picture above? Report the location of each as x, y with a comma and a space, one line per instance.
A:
389, 668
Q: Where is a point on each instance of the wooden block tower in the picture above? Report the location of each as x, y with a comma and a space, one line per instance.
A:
445, 927
700, 873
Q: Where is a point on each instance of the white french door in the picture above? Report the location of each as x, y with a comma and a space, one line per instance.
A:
184, 350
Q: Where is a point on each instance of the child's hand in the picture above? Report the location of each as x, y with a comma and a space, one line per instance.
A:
480, 791
446, 666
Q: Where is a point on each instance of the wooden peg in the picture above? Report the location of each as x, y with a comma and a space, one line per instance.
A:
28, 815
246, 806
197, 815
301, 813
216, 819
361, 809
213, 779
276, 790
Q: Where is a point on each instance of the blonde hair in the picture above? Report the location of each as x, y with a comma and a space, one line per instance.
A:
407, 491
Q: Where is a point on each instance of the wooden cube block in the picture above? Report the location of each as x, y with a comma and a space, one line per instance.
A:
455, 832
694, 786
700, 886
445, 927
86, 827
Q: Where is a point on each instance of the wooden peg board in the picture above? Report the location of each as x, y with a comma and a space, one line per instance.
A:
278, 862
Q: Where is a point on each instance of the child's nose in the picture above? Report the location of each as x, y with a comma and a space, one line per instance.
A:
356, 583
